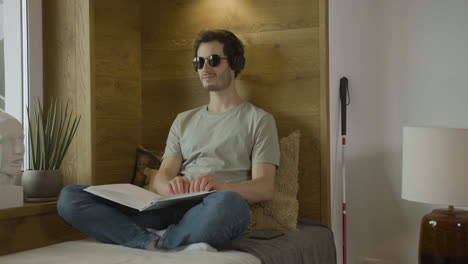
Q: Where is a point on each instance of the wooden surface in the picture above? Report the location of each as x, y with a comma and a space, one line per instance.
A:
32, 226
68, 76
126, 66
118, 88
285, 74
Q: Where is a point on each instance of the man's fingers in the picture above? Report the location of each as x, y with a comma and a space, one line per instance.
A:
176, 187
195, 185
186, 185
171, 189
192, 184
203, 184
181, 186
198, 185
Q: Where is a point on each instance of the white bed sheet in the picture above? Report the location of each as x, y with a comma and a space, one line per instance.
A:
90, 251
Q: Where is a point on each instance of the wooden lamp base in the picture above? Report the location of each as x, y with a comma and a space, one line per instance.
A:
444, 237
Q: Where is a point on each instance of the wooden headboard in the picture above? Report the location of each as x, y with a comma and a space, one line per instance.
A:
141, 76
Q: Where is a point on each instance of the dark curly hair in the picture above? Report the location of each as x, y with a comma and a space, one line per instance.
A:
233, 46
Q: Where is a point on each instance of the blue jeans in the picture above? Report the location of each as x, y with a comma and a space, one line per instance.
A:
218, 218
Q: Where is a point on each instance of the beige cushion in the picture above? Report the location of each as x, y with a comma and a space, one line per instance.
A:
281, 212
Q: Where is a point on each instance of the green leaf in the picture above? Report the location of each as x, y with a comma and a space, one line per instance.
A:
51, 135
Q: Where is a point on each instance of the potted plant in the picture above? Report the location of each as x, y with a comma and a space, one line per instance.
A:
49, 137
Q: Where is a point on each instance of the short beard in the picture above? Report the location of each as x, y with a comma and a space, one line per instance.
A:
222, 86
216, 88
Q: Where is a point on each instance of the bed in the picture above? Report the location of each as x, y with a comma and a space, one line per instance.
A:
312, 243
90, 251
306, 241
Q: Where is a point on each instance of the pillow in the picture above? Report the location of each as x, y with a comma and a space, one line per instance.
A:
149, 179
144, 159
281, 212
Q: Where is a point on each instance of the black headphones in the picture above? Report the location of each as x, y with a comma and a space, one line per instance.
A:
236, 62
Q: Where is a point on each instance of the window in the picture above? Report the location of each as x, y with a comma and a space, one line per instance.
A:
12, 58
20, 58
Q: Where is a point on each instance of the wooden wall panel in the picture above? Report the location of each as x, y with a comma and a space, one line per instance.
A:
118, 98
117, 54
178, 20
118, 88
68, 76
114, 171
126, 66
283, 73
279, 53
85, 95
92, 57
117, 138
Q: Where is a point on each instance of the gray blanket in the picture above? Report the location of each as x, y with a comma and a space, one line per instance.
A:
312, 244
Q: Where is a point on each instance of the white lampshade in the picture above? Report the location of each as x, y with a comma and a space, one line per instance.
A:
435, 165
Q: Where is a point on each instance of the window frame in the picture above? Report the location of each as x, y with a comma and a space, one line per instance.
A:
12, 30
24, 57
32, 63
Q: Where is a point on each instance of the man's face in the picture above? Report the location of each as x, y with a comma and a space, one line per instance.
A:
11, 147
214, 78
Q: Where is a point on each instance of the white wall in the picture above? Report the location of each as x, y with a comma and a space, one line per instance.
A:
406, 65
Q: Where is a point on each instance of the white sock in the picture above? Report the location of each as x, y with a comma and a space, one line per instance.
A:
201, 247
159, 233
152, 245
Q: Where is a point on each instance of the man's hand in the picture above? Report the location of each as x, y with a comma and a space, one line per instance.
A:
204, 183
178, 185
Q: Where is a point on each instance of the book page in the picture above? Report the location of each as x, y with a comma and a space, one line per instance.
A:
184, 196
165, 201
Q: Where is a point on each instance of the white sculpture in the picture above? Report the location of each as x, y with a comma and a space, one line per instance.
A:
11, 149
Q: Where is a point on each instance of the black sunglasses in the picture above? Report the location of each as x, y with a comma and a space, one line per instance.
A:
213, 60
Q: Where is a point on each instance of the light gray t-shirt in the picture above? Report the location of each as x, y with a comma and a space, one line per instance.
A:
224, 145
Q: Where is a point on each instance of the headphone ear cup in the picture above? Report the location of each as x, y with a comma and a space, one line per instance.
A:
237, 63
241, 62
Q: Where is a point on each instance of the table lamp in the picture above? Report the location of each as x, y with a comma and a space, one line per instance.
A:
435, 171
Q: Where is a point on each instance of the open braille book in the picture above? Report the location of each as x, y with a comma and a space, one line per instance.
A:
139, 198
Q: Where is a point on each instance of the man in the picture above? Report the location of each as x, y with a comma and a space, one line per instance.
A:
227, 145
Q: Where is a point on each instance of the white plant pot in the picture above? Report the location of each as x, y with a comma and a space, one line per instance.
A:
41, 185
